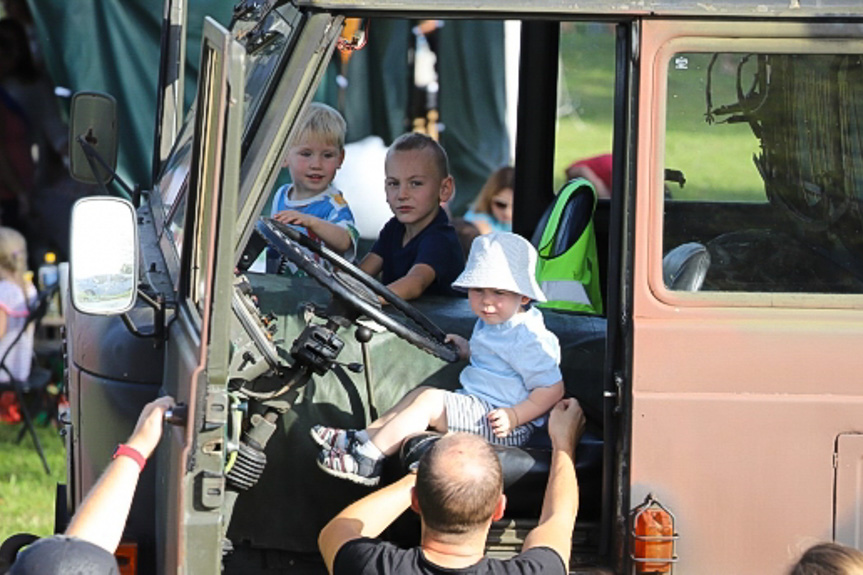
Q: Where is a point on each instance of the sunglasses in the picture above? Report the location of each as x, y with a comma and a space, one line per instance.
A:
500, 204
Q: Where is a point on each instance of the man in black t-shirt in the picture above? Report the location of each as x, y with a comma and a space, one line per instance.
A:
458, 493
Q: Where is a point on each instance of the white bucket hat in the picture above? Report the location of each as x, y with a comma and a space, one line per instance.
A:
501, 260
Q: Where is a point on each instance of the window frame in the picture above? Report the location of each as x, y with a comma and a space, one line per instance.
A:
712, 41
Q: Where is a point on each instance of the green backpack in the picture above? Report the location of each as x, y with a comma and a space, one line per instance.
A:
568, 269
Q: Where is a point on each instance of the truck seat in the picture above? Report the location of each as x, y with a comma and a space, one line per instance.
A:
525, 472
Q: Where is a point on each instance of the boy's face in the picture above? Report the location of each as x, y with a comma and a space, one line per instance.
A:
495, 306
313, 164
415, 188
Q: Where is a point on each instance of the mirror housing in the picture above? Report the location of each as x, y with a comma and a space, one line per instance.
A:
93, 117
103, 266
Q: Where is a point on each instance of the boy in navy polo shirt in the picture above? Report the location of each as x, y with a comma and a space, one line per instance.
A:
417, 251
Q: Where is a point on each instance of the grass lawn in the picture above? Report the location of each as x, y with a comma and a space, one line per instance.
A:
26, 492
716, 159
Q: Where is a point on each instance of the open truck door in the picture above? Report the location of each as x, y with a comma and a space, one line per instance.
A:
747, 289
244, 113
191, 485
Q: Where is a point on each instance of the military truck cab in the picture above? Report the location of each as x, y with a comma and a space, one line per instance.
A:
719, 381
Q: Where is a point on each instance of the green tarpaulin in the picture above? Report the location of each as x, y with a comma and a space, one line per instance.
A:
113, 46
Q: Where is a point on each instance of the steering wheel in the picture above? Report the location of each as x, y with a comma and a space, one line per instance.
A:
420, 330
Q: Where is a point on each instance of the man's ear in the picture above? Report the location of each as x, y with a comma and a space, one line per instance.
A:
447, 189
415, 504
499, 508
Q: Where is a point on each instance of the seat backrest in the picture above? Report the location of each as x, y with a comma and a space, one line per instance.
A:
685, 267
568, 268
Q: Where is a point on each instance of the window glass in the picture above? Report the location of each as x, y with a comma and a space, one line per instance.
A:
764, 173
204, 172
266, 41
585, 111
173, 184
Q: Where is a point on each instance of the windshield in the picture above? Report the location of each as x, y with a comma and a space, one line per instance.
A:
266, 38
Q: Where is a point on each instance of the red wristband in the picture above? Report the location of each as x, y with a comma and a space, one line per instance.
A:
132, 453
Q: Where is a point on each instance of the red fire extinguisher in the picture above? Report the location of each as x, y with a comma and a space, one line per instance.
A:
653, 538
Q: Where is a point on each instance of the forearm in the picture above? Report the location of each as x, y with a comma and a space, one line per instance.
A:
538, 402
372, 264
560, 504
407, 288
367, 517
414, 283
335, 237
102, 516
559, 508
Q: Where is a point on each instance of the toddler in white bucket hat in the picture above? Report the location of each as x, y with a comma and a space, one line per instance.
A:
512, 380
504, 261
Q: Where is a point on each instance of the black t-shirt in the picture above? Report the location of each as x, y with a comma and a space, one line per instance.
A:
436, 245
374, 557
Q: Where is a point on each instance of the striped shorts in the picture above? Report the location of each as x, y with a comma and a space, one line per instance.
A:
466, 413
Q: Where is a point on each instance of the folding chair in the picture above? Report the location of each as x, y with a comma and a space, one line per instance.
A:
39, 377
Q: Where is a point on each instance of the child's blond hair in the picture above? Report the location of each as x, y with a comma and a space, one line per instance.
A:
322, 122
13, 256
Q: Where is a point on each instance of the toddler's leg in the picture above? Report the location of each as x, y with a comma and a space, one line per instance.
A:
416, 412
403, 403
335, 438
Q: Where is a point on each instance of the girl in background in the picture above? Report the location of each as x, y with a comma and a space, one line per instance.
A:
16, 295
492, 209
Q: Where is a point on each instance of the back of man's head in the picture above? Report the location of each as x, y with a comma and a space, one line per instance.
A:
459, 484
61, 555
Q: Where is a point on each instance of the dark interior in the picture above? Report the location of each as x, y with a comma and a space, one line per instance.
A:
294, 499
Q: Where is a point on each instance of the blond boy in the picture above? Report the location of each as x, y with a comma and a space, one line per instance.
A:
310, 201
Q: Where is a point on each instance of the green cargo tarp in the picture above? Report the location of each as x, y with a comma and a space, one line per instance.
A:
114, 47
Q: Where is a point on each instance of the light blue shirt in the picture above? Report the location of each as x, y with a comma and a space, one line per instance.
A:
511, 359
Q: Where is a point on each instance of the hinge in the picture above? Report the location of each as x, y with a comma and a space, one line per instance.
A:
216, 414
211, 490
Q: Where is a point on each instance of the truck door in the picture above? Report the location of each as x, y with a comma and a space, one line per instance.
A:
747, 309
191, 487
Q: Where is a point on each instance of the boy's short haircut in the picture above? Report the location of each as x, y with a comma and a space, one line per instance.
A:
323, 122
417, 141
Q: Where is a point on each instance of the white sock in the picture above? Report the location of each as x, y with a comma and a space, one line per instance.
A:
370, 450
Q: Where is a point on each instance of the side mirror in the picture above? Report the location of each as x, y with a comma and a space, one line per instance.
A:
103, 264
93, 136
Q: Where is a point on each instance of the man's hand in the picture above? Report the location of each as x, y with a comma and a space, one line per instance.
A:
566, 424
148, 430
